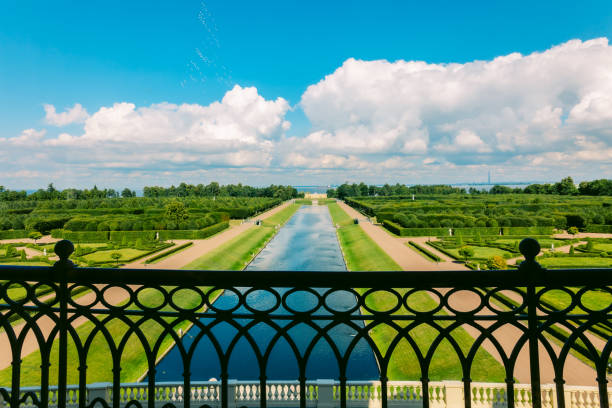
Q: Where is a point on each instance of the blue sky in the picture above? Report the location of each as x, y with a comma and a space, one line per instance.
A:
272, 59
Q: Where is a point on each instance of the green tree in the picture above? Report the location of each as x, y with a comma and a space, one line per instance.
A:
176, 211
589, 245
496, 262
35, 235
571, 250
116, 256
466, 252
23, 255
10, 251
572, 230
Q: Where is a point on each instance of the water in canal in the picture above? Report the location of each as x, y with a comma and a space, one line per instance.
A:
307, 242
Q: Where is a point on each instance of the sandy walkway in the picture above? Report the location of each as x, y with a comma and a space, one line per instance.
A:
116, 295
47, 239
576, 372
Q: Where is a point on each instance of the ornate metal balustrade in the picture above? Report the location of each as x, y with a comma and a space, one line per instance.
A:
44, 308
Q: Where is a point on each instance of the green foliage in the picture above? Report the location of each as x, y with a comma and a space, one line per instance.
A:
176, 211
13, 234
466, 252
22, 255
571, 250
35, 235
496, 262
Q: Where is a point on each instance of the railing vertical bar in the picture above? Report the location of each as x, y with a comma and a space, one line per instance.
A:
44, 375
302, 390
151, 386
263, 394
224, 385
467, 392
343, 391
425, 382
16, 374
383, 391
560, 391
82, 380
510, 391
187, 387
62, 375
534, 355
116, 381
602, 382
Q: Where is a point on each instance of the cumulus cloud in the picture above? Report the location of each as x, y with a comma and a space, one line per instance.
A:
76, 114
492, 111
536, 116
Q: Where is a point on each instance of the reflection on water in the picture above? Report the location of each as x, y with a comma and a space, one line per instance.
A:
308, 243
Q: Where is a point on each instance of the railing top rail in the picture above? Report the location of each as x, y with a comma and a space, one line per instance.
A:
377, 280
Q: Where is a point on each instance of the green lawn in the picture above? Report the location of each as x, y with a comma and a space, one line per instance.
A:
544, 242
105, 256
575, 262
362, 253
481, 252
282, 216
602, 246
339, 216
236, 253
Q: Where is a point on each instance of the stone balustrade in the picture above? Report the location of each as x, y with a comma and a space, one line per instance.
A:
323, 393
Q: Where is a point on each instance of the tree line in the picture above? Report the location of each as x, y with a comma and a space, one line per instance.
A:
600, 187
182, 190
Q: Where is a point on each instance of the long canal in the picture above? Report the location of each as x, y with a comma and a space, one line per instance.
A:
308, 242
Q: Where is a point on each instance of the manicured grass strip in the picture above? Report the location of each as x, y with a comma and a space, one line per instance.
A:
425, 252
164, 255
236, 253
303, 202
281, 217
361, 253
575, 262
481, 252
339, 216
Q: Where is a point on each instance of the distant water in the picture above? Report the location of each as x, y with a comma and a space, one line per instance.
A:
307, 242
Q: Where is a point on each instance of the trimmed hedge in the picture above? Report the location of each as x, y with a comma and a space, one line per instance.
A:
81, 236
117, 236
193, 234
425, 251
439, 232
169, 252
605, 229
14, 234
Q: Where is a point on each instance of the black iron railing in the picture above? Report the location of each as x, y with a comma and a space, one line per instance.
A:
483, 301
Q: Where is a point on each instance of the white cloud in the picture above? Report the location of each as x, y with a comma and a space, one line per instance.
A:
536, 116
512, 106
76, 114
